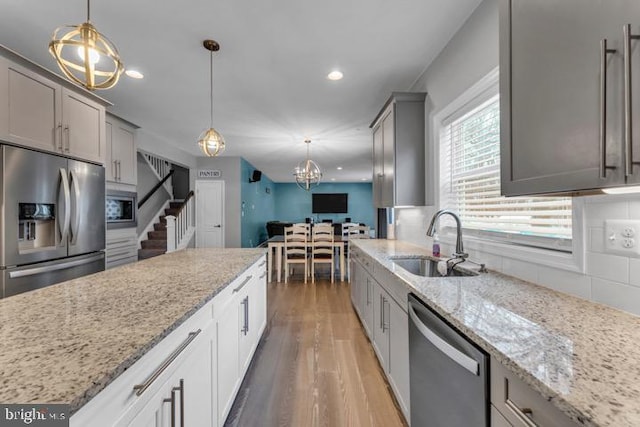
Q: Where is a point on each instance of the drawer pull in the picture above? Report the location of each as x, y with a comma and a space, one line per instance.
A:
141, 388
246, 280
524, 414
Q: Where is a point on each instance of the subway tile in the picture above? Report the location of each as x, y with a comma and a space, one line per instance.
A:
634, 271
609, 267
521, 269
565, 281
596, 239
616, 295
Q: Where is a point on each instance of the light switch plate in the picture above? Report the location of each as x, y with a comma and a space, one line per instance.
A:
622, 236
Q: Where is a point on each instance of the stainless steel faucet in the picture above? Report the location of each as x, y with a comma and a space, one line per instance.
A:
459, 253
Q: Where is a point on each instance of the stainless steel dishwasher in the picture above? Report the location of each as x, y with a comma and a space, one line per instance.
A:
449, 374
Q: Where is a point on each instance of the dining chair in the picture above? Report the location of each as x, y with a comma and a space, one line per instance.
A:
295, 248
322, 248
355, 232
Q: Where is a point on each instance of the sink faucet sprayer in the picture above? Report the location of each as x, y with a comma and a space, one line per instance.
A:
459, 253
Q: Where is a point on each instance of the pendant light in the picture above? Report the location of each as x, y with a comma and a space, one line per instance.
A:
211, 142
307, 173
85, 56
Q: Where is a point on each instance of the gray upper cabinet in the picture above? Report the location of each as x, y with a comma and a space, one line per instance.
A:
398, 152
121, 164
563, 96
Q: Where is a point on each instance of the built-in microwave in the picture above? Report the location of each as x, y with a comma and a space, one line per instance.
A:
121, 209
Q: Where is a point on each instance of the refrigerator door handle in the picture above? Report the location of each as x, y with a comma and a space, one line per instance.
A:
50, 268
76, 215
67, 202
450, 351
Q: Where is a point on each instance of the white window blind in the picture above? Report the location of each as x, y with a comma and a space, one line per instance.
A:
470, 185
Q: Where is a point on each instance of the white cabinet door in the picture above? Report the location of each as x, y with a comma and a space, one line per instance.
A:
388, 136
157, 412
31, 110
193, 383
399, 354
228, 357
120, 160
367, 303
378, 166
124, 146
381, 326
83, 129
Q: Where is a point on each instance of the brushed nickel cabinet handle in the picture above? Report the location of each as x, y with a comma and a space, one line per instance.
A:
141, 388
59, 132
67, 130
244, 282
628, 100
604, 51
172, 400
180, 388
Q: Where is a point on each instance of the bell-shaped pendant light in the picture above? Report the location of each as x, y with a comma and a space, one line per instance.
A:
210, 141
307, 173
85, 56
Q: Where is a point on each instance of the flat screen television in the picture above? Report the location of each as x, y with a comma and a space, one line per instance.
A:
329, 203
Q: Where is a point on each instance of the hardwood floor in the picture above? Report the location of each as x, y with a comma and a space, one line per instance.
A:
314, 365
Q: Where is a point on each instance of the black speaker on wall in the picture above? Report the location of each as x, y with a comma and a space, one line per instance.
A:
257, 176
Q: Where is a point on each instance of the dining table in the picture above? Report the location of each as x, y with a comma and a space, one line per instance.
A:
276, 250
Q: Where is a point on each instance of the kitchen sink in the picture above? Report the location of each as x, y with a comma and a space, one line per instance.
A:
428, 267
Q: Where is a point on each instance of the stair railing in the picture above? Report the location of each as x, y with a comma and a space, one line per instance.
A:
154, 189
160, 167
181, 225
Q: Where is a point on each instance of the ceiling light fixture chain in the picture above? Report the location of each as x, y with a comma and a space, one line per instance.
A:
210, 141
307, 173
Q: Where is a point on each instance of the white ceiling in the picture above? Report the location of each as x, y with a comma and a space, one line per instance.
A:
270, 85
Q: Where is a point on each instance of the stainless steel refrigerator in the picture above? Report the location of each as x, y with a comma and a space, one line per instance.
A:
52, 219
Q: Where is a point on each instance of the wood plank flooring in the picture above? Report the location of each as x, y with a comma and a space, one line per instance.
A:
314, 365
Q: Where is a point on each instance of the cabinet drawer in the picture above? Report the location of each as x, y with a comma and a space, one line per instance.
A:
520, 404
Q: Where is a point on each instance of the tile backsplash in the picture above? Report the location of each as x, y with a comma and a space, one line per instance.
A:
613, 280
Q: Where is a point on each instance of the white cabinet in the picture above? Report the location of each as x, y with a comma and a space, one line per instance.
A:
398, 152
39, 113
563, 115
385, 320
241, 323
121, 164
197, 368
185, 397
121, 247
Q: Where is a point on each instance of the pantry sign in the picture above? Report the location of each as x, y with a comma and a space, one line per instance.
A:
209, 173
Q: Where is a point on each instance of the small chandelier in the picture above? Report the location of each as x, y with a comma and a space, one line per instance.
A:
85, 56
210, 141
307, 173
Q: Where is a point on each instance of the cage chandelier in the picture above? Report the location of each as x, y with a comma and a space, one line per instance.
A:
307, 173
85, 56
210, 141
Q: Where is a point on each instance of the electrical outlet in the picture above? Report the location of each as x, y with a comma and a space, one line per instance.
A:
619, 236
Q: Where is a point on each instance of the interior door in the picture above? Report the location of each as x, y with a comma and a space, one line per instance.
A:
209, 214
87, 225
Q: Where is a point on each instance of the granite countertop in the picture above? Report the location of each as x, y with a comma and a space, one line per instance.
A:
582, 356
66, 342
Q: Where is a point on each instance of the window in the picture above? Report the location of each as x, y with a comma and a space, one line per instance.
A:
470, 183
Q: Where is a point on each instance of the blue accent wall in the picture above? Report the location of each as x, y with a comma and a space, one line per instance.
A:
294, 204
257, 206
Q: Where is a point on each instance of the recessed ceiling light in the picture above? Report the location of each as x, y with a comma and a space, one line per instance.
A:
365, 179
134, 74
335, 75
333, 179
339, 168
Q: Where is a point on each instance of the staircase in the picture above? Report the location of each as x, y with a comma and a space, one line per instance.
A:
156, 243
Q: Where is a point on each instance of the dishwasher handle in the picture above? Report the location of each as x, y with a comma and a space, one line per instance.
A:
453, 353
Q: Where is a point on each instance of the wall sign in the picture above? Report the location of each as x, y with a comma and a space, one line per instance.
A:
209, 173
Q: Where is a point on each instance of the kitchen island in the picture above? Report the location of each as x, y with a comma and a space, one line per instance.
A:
581, 356
68, 342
